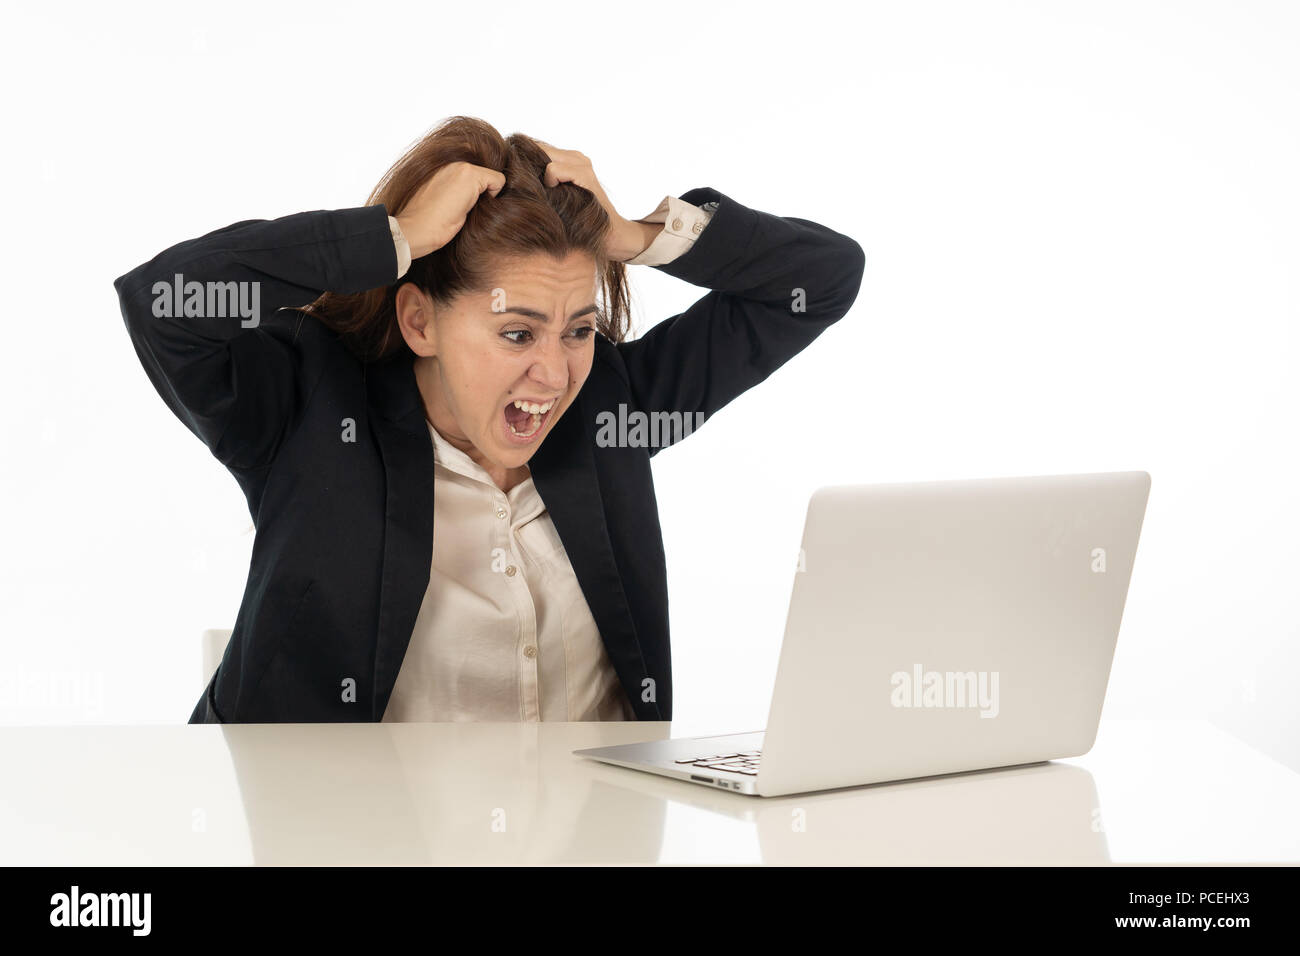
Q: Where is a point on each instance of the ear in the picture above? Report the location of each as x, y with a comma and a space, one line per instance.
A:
415, 313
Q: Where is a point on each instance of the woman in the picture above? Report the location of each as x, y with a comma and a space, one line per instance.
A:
442, 432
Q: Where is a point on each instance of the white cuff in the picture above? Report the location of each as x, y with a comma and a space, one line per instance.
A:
401, 245
683, 224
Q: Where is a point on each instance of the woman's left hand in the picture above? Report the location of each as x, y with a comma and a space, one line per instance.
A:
626, 240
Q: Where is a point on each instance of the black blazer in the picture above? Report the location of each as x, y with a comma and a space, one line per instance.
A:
344, 530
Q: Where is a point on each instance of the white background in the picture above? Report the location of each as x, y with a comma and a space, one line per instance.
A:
1080, 227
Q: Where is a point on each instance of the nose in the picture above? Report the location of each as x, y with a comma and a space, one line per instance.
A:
550, 368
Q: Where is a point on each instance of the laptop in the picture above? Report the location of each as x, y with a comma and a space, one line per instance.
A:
934, 628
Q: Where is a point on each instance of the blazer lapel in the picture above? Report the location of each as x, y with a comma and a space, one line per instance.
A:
400, 429
564, 473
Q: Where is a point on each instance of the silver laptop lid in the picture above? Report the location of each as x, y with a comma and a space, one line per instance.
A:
945, 626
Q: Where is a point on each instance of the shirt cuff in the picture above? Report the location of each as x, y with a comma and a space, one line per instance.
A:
402, 246
683, 223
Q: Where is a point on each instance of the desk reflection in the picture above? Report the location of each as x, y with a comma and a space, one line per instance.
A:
192, 795
515, 794
1040, 814
410, 794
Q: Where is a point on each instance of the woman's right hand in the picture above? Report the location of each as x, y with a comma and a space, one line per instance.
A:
438, 209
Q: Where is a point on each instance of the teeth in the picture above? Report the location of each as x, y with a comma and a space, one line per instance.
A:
536, 411
533, 408
534, 425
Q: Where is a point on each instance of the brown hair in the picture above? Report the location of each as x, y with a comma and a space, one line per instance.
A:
526, 217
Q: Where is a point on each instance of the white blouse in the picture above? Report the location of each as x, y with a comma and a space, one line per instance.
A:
504, 632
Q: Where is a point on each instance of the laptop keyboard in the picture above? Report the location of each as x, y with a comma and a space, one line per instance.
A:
746, 762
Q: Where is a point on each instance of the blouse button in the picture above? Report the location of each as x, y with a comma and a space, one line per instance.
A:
677, 223
530, 651
501, 512
510, 571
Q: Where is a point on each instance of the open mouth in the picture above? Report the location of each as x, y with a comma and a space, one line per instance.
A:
525, 420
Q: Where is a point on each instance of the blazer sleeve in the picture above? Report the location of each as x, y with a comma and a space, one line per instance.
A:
777, 283
238, 388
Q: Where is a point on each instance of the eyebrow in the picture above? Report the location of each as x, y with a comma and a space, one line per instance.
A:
534, 314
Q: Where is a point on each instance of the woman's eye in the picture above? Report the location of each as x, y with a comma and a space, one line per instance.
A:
582, 333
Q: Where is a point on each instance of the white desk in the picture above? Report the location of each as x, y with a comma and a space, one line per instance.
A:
1149, 792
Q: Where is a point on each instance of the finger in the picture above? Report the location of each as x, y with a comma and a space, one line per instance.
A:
491, 180
557, 172
567, 171
555, 155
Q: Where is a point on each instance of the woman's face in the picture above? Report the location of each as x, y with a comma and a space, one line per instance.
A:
528, 342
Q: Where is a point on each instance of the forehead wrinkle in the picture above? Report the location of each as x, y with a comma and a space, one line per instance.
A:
543, 318
542, 274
